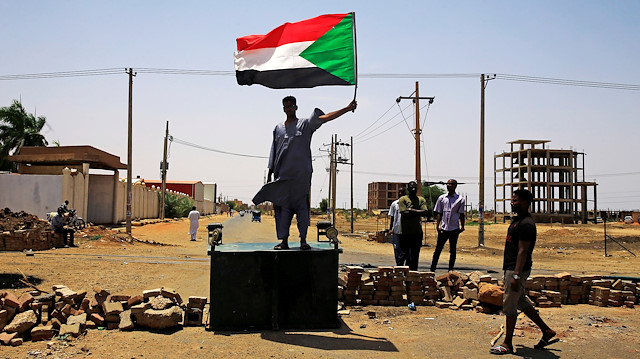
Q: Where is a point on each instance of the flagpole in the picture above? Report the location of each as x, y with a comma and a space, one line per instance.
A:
355, 55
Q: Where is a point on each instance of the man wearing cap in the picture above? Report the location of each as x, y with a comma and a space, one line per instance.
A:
412, 208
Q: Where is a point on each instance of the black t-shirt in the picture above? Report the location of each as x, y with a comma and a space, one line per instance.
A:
523, 228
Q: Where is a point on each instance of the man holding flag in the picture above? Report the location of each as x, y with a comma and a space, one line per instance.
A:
309, 53
290, 162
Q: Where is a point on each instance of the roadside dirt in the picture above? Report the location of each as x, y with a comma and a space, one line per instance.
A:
161, 254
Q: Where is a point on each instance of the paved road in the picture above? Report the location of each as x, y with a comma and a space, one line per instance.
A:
241, 230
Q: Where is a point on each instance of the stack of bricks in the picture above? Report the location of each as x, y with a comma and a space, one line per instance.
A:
34, 239
415, 288
66, 312
395, 286
430, 288
353, 279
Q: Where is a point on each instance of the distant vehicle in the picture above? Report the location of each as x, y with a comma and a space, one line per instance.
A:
628, 219
598, 219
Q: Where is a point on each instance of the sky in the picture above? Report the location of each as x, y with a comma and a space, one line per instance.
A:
579, 40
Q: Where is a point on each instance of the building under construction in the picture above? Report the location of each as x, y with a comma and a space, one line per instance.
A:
555, 177
382, 194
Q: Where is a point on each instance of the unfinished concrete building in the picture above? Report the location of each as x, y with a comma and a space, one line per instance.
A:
382, 194
555, 177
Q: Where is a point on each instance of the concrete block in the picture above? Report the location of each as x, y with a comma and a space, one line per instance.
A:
72, 329
125, 321
42, 332
112, 308
22, 322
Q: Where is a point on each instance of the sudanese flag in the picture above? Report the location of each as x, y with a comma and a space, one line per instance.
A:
309, 53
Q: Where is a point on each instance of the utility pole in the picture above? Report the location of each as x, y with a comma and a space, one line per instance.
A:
416, 99
164, 172
335, 177
351, 160
483, 83
129, 147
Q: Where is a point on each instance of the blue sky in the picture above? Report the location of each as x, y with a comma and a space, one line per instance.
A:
581, 40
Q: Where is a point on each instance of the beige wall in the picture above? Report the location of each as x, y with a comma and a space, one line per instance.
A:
35, 194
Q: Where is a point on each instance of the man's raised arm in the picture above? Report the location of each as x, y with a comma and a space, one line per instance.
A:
335, 114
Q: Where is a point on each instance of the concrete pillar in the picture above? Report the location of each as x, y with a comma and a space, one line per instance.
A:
67, 185
114, 197
85, 199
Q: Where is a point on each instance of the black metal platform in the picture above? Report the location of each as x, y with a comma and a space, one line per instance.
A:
256, 287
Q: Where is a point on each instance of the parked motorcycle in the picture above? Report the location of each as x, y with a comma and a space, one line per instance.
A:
74, 221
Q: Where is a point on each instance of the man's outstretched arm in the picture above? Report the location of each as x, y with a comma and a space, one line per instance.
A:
335, 114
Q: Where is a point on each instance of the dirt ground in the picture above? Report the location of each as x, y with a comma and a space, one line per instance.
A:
161, 255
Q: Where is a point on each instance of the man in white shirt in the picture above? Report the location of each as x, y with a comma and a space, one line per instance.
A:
194, 217
394, 230
450, 209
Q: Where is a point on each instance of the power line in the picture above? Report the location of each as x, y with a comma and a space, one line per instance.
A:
186, 143
200, 72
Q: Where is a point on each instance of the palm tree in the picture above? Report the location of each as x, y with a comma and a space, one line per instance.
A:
17, 129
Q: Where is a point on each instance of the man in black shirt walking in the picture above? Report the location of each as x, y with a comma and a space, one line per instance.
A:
519, 244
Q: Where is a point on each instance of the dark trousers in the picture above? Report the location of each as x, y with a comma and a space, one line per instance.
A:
67, 235
452, 237
410, 245
284, 216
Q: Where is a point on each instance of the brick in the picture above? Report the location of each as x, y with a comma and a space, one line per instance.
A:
42, 332
16, 342
5, 338
125, 322
470, 293
442, 305
72, 329
101, 292
24, 301
11, 300
151, 293
135, 300
96, 318
112, 308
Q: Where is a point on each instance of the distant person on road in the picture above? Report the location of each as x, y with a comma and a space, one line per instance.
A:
290, 163
194, 217
518, 248
394, 230
412, 208
58, 226
450, 210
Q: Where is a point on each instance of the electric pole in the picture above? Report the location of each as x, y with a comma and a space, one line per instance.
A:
483, 83
417, 131
129, 148
334, 175
351, 160
163, 169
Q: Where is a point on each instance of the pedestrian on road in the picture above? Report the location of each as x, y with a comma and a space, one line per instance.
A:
450, 209
290, 163
194, 217
412, 208
518, 248
394, 230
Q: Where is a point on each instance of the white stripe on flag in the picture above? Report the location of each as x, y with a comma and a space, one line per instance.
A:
274, 58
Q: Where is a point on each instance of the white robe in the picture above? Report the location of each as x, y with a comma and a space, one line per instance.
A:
194, 216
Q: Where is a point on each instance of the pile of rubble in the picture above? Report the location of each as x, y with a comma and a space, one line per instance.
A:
13, 221
35, 316
396, 286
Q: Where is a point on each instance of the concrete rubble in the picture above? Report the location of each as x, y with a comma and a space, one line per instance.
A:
398, 286
67, 313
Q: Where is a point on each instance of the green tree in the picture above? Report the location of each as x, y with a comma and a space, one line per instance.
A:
176, 206
431, 194
231, 204
324, 204
17, 129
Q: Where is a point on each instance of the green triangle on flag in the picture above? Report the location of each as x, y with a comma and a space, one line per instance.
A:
333, 51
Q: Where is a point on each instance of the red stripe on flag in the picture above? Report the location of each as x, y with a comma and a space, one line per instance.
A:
305, 30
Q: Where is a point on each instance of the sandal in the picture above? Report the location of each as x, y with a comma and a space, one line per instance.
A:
305, 246
544, 342
281, 246
500, 350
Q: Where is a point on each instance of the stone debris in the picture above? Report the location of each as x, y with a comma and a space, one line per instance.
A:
65, 312
398, 286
